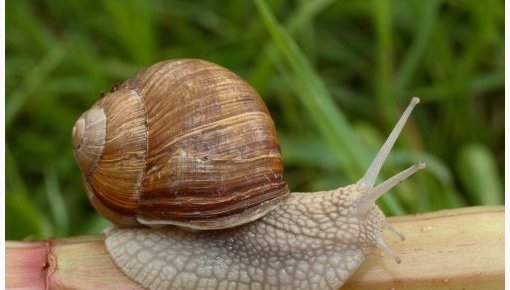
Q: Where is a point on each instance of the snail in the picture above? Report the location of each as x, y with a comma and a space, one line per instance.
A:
184, 159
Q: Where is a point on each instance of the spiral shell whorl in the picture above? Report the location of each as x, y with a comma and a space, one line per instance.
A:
187, 143
89, 138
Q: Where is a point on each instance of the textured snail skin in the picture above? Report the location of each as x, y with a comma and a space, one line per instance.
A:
312, 241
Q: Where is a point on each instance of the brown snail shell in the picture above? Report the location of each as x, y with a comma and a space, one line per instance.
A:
183, 142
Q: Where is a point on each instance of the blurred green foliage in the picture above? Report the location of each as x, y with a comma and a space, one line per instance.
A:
334, 74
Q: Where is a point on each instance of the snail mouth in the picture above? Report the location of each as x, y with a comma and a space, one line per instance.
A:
88, 137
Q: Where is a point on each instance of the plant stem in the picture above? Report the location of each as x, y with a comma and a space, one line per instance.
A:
450, 249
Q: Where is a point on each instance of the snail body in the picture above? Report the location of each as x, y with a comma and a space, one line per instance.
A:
198, 150
298, 245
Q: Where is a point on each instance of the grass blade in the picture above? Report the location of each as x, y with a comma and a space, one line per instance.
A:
312, 92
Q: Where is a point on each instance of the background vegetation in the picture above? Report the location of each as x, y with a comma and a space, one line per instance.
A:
334, 74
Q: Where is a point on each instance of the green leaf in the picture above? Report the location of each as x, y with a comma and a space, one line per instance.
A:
477, 170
